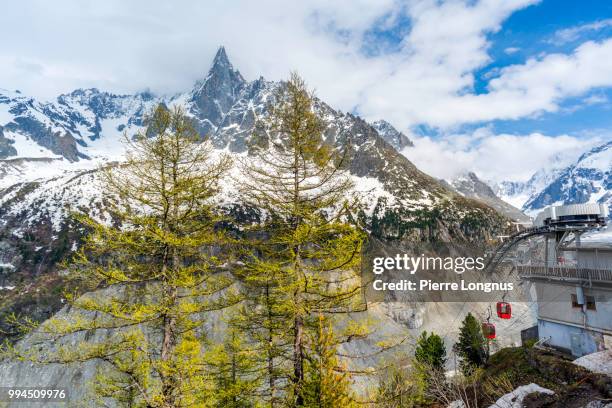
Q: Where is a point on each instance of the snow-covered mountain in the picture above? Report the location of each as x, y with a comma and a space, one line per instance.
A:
81, 129
588, 180
517, 193
77, 131
50, 152
391, 135
469, 185
70, 127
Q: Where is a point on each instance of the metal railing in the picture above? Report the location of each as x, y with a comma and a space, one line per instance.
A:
565, 273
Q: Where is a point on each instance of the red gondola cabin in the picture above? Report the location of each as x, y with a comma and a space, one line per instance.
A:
504, 310
488, 330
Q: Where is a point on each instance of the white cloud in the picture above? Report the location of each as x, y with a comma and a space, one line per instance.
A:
511, 50
523, 90
596, 99
496, 157
130, 46
574, 33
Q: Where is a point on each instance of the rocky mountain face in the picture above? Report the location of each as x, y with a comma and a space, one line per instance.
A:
517, 193
588, 180
391, 135
469, 185
67, 127
50, 152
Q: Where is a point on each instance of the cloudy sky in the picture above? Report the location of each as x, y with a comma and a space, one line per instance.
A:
501, 87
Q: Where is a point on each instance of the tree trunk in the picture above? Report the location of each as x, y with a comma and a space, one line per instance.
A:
271, 382
168, 344
298, 359
169, 340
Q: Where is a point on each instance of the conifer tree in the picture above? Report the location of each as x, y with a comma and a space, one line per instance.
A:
429, 359
326, 384
304, 260
401, 387
471, 346
264, 319
234, 371
430, 350
156, 266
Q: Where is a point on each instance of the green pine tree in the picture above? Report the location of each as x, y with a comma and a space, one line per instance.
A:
472, 346
431, 351
430, 357
156, 270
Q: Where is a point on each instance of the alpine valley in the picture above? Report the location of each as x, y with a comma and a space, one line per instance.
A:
50, 153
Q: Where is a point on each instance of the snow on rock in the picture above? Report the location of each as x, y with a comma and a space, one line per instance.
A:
600, 362
515, 398
53, 199
394, 137
469, 185
20, 170
587, 180
26, 147
517, 193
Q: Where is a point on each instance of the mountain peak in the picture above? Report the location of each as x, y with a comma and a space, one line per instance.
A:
587, 180
222, 67
393, 136
214, 96
221, 60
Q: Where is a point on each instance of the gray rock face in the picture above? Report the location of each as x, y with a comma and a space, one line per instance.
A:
6, 146
238, 125
78, 378
587, 180
391, 135
213, 97
62, 144
469, 185
407, 314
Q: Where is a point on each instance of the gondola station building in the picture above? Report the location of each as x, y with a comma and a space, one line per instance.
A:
572, 278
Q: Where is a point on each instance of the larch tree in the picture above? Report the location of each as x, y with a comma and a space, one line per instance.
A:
326, 384
234, 368
157, 270
264, 319
305, 256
